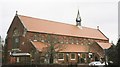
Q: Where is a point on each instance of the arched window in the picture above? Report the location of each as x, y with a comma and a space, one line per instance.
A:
15, 39
15, 32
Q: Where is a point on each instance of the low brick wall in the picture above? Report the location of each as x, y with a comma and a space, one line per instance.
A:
44, 65
51, 65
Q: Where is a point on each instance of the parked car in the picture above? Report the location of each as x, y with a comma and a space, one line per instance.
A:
97, 63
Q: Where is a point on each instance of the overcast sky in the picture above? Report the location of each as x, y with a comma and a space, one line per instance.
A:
103, 13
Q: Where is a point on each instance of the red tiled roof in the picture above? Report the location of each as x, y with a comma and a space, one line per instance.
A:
45, 26
75, 48
39, 45
65, 48
104, 45
70, 47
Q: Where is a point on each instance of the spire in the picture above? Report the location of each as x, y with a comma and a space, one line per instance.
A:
78, 19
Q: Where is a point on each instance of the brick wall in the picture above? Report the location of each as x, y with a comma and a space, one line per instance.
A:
27, 36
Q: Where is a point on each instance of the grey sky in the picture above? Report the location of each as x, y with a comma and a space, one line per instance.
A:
103, 13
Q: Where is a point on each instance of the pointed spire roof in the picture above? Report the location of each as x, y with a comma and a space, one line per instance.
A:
78, 19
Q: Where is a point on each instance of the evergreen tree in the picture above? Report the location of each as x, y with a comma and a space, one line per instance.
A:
112, 54
118, 50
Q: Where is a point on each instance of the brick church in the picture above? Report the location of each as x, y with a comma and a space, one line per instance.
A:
33, 40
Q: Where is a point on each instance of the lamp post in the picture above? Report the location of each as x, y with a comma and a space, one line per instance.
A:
105, 58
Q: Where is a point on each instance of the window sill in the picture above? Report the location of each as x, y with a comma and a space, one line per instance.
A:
60, 59
73, 59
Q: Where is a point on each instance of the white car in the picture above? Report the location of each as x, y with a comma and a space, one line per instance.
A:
97, 63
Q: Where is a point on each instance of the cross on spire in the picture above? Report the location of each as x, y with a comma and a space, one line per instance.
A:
78, 19
16, 13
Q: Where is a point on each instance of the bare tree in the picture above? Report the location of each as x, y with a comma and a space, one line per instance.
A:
53, 46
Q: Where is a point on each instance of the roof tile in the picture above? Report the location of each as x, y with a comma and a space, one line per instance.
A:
66, 47
104, 45
52, 27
